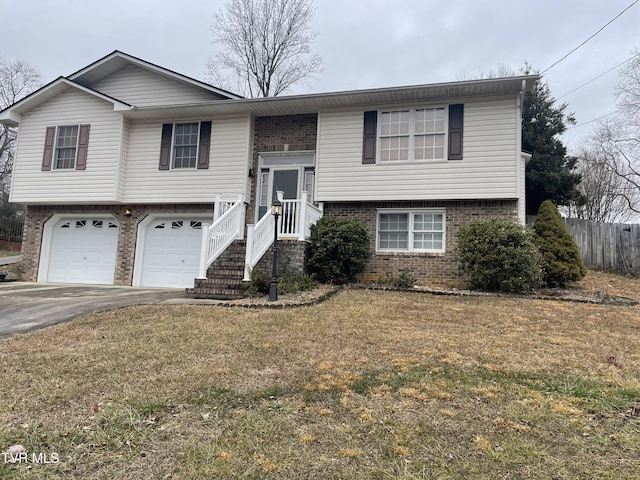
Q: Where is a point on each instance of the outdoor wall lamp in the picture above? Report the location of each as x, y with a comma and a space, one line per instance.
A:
127, 212
276, 208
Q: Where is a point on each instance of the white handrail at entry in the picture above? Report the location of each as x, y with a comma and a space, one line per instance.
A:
228, 225
294, 223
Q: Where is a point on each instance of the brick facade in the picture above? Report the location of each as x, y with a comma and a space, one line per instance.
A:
37, 216
279, 134
431, 269
291, 256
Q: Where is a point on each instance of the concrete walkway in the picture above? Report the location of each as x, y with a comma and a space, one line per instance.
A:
26, 306
9, 260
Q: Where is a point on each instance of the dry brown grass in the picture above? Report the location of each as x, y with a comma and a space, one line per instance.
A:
365, 385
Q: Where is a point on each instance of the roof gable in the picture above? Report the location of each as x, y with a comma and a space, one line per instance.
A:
116, 60
12, 115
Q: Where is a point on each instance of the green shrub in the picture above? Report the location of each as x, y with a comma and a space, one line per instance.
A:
562, 260
338, 249
500, 256
404, 280
288, 282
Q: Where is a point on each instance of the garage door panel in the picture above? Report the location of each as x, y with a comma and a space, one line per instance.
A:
83, 250
171, 253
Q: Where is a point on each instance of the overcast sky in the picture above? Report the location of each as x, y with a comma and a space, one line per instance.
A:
364, 43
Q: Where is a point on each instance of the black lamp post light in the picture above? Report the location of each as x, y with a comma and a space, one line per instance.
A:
273, 288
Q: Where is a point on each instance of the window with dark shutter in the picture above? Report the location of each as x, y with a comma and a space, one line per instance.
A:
83, 147
165, 146
204, 147
49, 140
456, 123
369, 137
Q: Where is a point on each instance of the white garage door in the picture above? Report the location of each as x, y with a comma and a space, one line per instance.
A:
83, 250
171, 253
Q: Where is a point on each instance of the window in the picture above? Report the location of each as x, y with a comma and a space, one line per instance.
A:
309, 177
66, 146
413, 134
412, 231
185, 145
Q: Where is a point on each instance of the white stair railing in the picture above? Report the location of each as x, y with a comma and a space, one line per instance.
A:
259, 239
311, 215
226, 228
293, 223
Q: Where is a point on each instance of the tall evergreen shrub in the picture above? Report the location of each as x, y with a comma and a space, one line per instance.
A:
562, 260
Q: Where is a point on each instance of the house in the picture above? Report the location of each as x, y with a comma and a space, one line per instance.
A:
137, 175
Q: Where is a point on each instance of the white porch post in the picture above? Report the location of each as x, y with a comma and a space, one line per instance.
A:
249, 253
302, 220
217, 208
204, 249
241, 217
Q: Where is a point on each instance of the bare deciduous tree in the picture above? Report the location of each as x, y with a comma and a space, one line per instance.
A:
606, 195
266, 46
618, 137
17, 80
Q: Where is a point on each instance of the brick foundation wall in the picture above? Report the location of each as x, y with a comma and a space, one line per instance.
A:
271, 134
36, 217
430, 269
291, 255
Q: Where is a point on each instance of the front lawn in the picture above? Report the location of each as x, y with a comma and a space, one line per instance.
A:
367, 385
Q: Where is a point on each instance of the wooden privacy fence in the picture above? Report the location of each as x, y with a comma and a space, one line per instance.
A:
607, 246
10, 234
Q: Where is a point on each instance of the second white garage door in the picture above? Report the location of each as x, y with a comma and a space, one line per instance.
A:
171, 253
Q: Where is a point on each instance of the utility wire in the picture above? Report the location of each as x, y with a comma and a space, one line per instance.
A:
599, 76
605, 26
591, 121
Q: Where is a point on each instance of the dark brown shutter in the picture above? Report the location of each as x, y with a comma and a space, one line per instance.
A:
456, 122
83, 147
369, 137
165, 146
49, 140
204, 145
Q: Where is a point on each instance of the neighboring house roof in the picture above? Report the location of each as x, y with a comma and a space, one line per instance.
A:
116, 60
11, 115
367, 98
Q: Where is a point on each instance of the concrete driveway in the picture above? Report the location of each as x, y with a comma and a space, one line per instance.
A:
26, 306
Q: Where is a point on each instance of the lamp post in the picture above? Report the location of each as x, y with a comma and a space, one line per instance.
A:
273, 288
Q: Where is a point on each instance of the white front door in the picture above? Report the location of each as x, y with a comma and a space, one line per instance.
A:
171, 252
83, 250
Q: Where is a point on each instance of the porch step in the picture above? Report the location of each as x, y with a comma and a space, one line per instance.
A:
224, 276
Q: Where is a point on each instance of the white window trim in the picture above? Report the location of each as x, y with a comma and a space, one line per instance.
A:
173, 145
412, 110
410, 213
54, 160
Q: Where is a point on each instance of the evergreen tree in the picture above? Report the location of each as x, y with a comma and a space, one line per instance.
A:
550, 173
562, 260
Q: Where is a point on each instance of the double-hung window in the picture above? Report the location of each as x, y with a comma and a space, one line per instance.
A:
185, 145
413, 134
66, 147
411, 231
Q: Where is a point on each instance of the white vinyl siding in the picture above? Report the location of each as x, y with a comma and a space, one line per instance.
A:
227, 172
488, 169
124, 152
95, 184
144, 88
